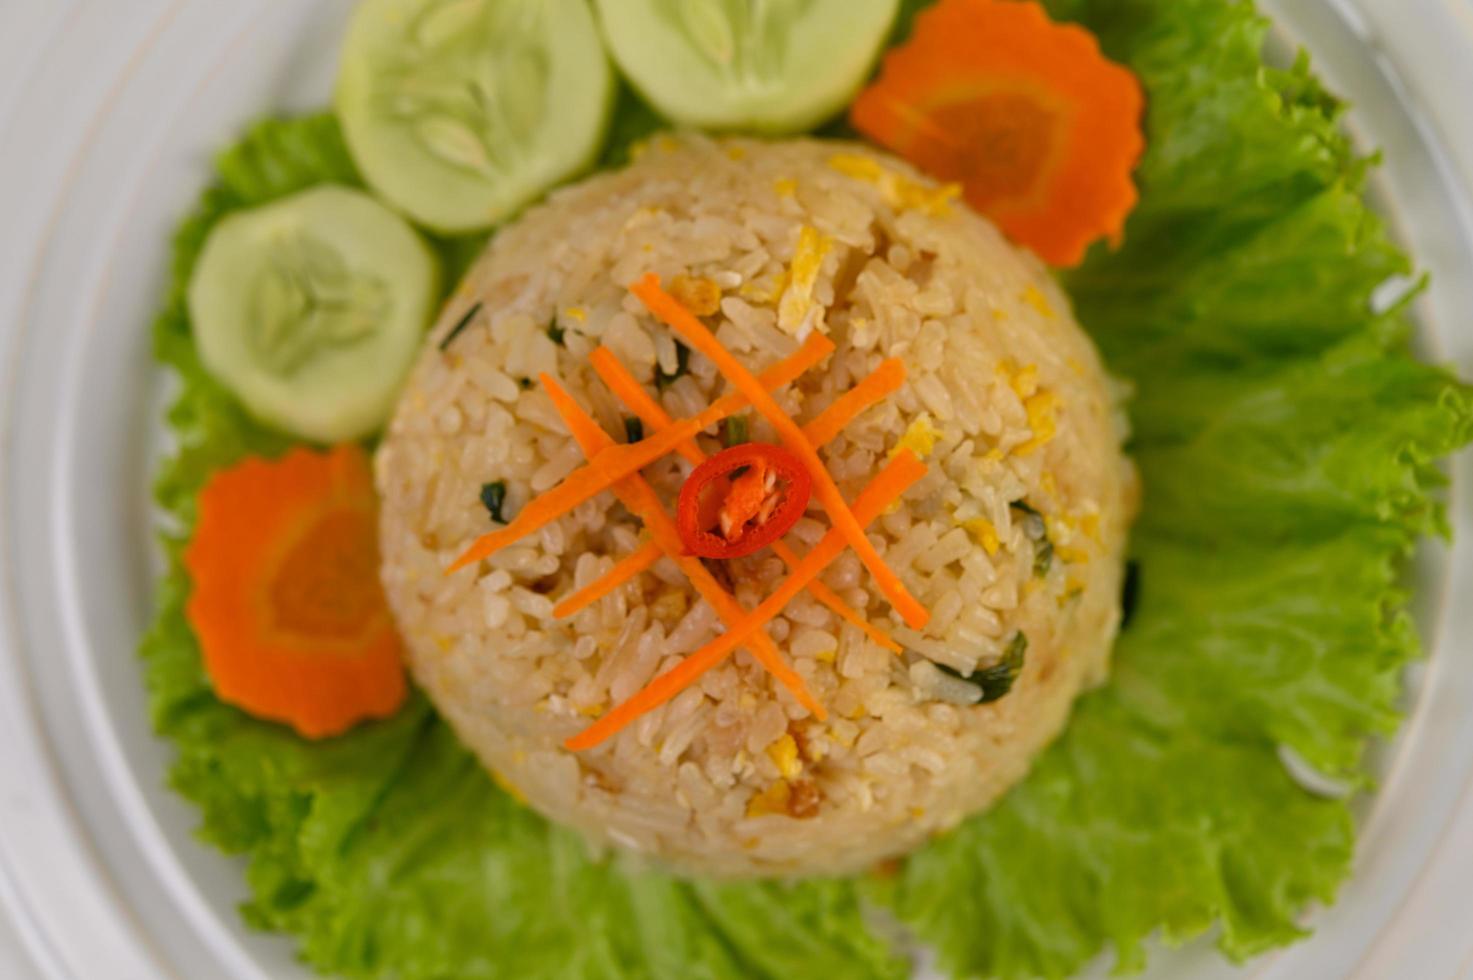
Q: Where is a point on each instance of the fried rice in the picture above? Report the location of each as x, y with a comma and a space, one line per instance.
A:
1014, 539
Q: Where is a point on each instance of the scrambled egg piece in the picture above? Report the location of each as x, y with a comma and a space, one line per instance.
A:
768, 293
1042, 409
665, 143
797, 303
1035, 298
1073, 589
700, 295
986, 534
784, 753
773, 799
1074, 556
1025, 382
785, 187
920, 438
1062, 528
857, 166
898, 190
1090, 524
1041, 406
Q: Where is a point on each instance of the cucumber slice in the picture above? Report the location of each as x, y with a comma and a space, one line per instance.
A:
459, 112
773, 66
311, 309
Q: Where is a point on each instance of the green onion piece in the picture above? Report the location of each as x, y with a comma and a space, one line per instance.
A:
493, 497
1043, 558
556, 333
459, 327
1036, 528
633, 430
996, 681
682, 367
734, 431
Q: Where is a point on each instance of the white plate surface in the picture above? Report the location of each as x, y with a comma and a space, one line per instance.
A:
109, 112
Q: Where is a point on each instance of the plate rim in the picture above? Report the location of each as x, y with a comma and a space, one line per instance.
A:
13, 660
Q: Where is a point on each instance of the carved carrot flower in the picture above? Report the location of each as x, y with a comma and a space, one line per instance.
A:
287, 604
1039, 128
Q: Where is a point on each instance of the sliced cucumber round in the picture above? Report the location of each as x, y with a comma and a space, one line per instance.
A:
773, 66
311, 310
459, 112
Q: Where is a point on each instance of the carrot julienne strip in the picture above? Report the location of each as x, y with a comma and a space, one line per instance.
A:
884, 381
608, 466
649, 411
640, 497
624, 385
666, 308
626, 569
898, 476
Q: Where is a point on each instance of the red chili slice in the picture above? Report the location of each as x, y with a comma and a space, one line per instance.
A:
741, 500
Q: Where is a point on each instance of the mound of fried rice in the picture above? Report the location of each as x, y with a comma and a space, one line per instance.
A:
1018, 528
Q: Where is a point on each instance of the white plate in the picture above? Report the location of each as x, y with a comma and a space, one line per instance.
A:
109, 113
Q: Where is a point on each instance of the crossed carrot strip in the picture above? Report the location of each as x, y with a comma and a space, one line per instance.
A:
610, 465
613, 466
888, 378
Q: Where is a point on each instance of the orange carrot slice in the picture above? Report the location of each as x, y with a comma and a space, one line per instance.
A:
610, 465
1041, 130
892, 481
641, 498
626, 569
287, 605
884, 381
656, 419
679, 319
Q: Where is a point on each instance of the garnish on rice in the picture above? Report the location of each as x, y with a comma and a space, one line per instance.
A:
883, 382
887, 487
1041, 129
902, 471
741, 500
694, 332
735, 503
493, 498
611, 465
287, 604
628, 390
640, 498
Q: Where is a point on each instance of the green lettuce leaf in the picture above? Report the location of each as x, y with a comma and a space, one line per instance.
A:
1288, 444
